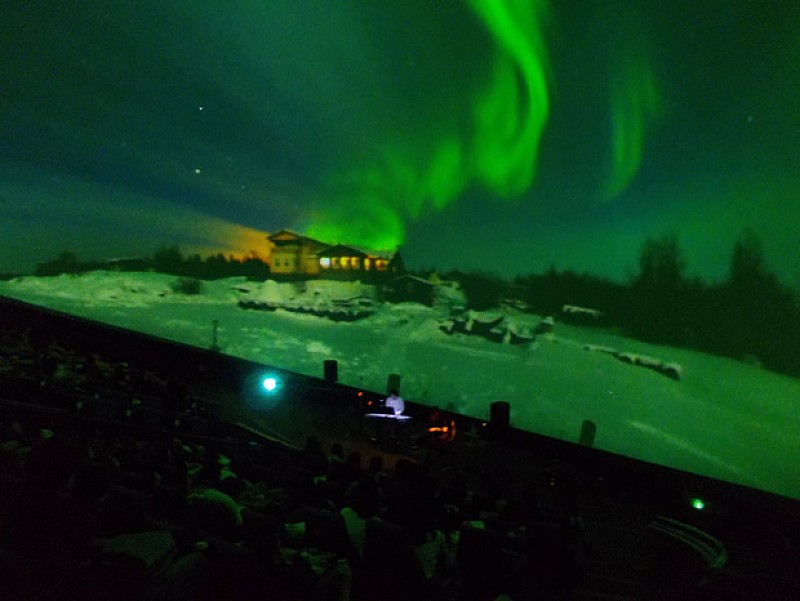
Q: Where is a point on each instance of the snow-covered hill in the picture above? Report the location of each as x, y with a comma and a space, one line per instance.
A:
724, 418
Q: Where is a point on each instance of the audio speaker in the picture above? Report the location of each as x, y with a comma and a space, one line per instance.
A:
500, 415
588, 432
393, 383
331, 370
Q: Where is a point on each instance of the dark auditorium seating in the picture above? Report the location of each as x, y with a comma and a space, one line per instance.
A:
389, 570
114, 450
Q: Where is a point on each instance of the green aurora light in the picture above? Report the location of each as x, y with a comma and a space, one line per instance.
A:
512, 113
500, 153
635, 103
375, 123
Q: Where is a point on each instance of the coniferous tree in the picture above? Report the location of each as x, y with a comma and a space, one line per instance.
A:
169, 259
660, 293
66, 262
482, 291
762, 319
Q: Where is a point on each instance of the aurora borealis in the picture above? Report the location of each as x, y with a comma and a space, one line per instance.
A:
503, 135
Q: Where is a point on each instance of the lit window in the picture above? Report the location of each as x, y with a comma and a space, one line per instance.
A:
355, 262
366, 264
335, 262
345, 262
325, 262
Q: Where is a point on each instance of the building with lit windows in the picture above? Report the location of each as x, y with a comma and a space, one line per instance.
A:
348, 261
294, 254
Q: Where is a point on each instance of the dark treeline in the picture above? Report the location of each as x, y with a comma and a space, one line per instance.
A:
751, 316
167, 259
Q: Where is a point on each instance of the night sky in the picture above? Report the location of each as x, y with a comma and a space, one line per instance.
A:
506, 136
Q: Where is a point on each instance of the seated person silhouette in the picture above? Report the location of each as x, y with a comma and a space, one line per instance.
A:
395, 403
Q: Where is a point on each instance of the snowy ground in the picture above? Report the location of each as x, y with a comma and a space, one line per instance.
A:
724, 419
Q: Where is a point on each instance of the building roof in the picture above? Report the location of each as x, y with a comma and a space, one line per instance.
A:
326, 249
342, 250
285, 235
379, 254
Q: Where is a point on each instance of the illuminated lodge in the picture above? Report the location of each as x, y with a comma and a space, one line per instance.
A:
293, 254
296, 255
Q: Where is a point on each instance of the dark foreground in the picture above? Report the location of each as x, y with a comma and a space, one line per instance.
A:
135, 468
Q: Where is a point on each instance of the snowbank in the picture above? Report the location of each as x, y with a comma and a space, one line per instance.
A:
724, 418
311, 293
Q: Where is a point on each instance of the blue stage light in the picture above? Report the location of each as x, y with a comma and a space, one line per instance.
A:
270, 384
